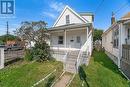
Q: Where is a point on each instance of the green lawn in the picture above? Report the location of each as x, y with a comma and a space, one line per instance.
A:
25, 74
101, 72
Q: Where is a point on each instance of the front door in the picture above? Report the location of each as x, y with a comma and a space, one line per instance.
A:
72, 42
75, 42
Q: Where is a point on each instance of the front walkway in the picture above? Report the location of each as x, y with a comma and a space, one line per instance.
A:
64, 80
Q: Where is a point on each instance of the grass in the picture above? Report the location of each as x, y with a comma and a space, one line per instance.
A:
25, 74
48, 82
101, 72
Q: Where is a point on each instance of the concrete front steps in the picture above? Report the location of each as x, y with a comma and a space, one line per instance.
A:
70, 65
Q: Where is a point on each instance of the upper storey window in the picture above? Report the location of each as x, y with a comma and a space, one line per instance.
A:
67, 19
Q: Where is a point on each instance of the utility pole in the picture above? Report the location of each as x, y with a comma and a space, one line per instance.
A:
7, 28
7, 32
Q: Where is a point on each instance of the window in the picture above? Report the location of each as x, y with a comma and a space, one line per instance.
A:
60, 40
128, 33
67, 19
116, 38
78, 39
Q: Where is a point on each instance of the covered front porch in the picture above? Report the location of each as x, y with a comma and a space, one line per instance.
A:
69, 37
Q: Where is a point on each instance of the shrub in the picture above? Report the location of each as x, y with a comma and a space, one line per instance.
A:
41, 52
28, 55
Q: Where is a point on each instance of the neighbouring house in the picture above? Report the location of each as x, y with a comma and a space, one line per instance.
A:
116, 42
13, 42
71, 37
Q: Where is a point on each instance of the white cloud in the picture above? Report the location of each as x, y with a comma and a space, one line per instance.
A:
57, 6
54, 9
52, 15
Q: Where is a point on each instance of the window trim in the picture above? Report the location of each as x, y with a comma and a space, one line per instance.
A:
60, 39
116, 38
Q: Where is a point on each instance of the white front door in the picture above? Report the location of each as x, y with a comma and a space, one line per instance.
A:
75, 41
72, 42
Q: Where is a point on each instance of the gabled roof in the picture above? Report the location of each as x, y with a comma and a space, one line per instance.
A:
109, 29
67, 7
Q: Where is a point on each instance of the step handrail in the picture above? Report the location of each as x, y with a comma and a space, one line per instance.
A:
80, 54
83, 49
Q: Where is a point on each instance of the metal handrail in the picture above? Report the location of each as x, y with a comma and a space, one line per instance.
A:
81, 52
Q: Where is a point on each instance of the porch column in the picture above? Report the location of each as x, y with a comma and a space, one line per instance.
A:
65, 38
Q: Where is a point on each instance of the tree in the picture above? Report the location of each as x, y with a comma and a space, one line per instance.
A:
36, 32
97, 34
32, 31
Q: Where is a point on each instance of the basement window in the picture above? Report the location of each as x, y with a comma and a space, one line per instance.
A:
60, 40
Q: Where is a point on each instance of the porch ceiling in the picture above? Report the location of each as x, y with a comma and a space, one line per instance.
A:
69, 27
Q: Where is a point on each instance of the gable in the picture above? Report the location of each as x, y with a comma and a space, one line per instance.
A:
74, 17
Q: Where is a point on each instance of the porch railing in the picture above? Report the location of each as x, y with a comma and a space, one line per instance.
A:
78, 62
82, 51
61, 50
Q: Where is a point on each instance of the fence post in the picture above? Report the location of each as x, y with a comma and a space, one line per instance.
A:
1, 58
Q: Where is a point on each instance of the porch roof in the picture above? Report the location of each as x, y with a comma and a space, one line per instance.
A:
70, 26
127, 22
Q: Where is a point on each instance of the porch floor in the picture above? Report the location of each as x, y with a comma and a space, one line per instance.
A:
64, 49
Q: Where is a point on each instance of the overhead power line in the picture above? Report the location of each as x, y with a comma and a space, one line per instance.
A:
124, 5
99, 6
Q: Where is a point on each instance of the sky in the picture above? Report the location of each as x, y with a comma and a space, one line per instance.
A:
49, 10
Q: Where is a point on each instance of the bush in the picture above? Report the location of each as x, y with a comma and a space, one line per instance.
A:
28, 55
41, 52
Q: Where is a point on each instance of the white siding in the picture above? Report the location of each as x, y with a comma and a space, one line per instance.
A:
73, 18
54, 39
107, 40
88, 18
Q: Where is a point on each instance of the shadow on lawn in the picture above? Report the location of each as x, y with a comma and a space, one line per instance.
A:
50, 81
83, 75
104, 60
